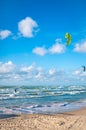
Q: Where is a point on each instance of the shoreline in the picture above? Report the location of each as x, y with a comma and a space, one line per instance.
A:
73, 120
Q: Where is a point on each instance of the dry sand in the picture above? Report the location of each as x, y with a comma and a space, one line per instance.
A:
75, 120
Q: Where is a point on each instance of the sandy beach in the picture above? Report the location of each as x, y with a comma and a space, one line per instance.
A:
75, 120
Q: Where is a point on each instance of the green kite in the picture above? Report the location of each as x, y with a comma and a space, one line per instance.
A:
69, 38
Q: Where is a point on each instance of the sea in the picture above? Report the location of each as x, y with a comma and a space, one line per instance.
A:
41, 99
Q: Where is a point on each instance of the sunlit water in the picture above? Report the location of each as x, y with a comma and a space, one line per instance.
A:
41, 99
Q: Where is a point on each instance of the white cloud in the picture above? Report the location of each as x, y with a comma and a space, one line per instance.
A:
54, 49
4, 34
57, 47
27, 69
27, 27
12, 74
79, 75
58, 40
40, 51
31, 71
80, 47
6, 67
39, 76
79, 72
52, 71
76, 72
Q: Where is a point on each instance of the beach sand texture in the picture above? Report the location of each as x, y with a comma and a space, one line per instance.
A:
75, 120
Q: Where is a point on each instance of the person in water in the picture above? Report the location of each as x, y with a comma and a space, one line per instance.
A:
15, 90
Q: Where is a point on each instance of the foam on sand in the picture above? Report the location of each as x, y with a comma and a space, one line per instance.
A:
64, 121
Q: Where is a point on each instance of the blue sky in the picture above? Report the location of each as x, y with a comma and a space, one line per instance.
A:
33, 44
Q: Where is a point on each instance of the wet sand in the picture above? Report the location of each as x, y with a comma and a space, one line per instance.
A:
75, 120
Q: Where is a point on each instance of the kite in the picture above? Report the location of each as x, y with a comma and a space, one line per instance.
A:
84, 68
69, 38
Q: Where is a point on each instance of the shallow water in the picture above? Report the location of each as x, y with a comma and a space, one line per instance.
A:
41, 99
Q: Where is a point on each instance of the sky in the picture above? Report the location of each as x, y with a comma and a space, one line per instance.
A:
33, 48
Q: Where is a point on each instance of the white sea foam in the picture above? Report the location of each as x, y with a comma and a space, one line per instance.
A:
45, 108
52, 99
76, 87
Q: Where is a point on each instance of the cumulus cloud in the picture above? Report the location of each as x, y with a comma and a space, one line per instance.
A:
6, 67
57, 47
79, 75
27, 27
40, 51
27, 69
76, 72
79, 72
4, 34
52, 71
80, 47
33, 73
12, 74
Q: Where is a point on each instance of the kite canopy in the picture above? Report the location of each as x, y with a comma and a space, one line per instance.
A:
84, 68
69, 38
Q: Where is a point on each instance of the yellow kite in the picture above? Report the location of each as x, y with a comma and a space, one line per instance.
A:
69, 38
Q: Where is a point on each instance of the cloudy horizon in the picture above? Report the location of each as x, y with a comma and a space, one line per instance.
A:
33, 47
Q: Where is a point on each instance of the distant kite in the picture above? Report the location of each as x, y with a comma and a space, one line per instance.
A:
84, 68
69, 38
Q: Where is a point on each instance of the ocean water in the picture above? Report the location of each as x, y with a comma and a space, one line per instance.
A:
41, 99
